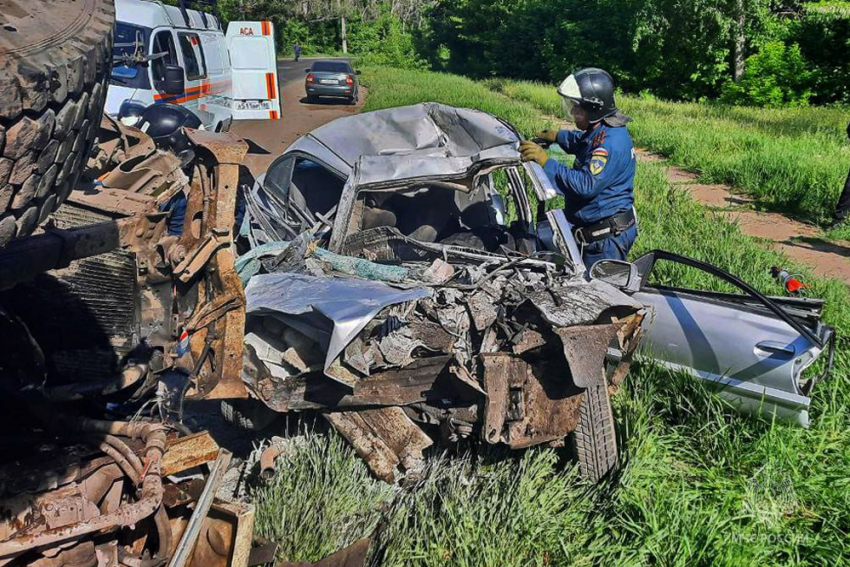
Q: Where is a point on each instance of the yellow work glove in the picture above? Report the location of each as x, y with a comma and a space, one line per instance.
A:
532, 152
550, 136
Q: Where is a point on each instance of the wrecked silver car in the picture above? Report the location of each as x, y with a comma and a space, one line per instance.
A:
404, 275
413, 278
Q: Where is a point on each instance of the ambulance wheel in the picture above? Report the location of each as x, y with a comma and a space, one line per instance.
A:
55, 62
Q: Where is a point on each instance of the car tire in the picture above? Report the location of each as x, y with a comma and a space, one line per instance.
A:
595, 437
311, 99
251, 415
55, 62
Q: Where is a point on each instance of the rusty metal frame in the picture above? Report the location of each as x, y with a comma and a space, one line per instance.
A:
217, 327
190, 289
585, 348
527, 404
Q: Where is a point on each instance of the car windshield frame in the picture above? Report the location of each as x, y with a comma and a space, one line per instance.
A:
353, 190
129, 74
338, 67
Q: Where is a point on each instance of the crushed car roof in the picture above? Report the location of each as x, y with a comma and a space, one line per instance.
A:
422, 130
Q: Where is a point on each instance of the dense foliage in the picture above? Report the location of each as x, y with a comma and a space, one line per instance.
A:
824, 38
379, 31
678, 49
756, 52
776, 76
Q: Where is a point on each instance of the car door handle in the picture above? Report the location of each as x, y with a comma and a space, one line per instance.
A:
774, 347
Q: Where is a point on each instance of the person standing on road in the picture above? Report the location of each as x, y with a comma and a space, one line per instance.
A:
297, 49
842, 209
599, 187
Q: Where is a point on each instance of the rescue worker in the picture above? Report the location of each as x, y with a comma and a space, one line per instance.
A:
842, 208
598, 188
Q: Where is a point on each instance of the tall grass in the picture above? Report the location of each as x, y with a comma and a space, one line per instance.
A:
698, 485
321, 498
396, 87
792, 160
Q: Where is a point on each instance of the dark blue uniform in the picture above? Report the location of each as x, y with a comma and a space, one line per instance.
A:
598, 186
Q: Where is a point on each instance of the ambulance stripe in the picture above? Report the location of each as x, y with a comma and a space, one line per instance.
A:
193, 93
266, 27
270, 86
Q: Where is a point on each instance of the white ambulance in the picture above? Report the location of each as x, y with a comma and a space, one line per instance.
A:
174, 54
254, 70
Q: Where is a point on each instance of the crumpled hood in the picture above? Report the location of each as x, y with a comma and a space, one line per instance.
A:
337, 309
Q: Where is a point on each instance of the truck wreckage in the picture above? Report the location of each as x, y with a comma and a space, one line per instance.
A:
397, 272
99, 307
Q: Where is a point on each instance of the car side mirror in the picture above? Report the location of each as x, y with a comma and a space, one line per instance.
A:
175, 80
306, 70
358, 72
623, 275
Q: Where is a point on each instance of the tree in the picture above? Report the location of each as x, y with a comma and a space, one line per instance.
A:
313, 22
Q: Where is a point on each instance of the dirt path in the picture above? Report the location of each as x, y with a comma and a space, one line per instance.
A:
801, 242
274, 136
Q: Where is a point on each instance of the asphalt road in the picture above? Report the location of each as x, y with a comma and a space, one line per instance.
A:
297, 118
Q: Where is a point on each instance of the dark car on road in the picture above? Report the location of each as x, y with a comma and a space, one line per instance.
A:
332, 79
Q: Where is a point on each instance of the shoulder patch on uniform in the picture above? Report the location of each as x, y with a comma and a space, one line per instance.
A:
600, 152
598, 161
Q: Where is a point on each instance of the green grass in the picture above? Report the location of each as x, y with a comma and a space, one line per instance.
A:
395, 87
699, 484
834, 8
791, 160
321, 499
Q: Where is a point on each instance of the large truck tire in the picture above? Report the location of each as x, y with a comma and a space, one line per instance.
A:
596, 435
55, 62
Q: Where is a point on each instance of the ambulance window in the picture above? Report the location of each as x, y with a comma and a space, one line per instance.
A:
163, 42
193, 56
130, 43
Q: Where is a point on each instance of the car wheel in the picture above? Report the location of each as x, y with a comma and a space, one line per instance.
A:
595, 438
55, 62
311, 99
249, 414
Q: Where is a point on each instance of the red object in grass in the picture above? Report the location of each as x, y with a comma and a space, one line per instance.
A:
793, 286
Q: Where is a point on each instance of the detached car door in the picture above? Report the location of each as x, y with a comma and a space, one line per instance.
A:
755, 348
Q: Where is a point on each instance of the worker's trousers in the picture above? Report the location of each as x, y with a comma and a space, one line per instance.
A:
614, 248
